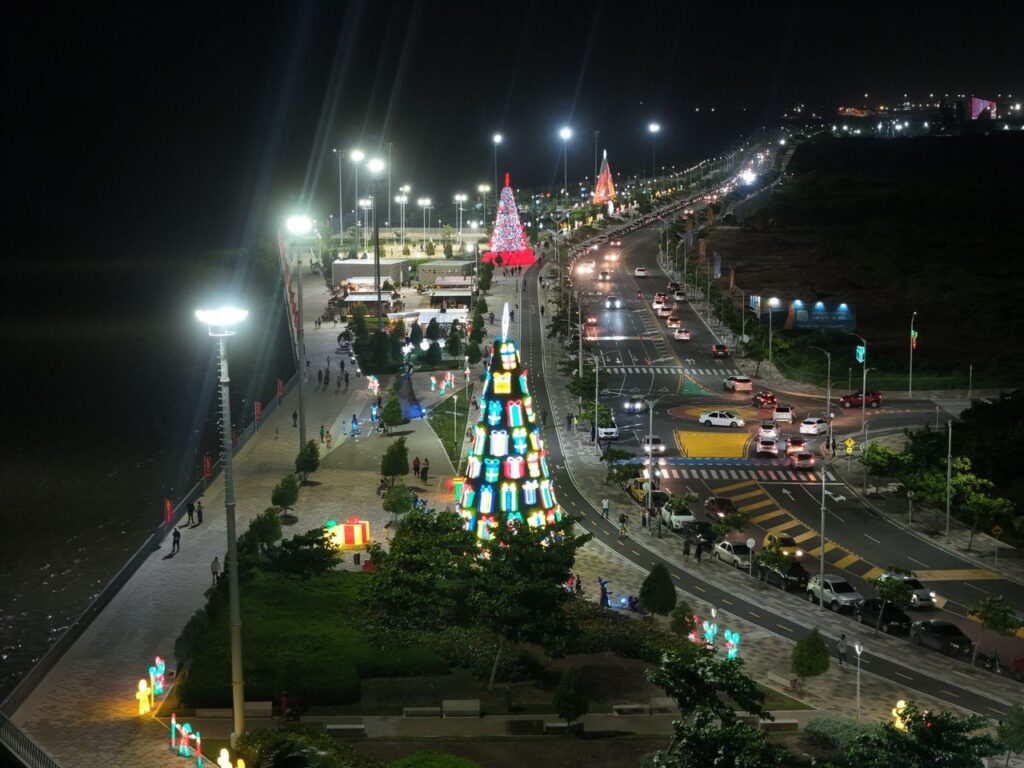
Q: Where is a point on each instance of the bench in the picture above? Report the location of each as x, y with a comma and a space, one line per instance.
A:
663, 705
460, 708
345, 730
780, 726
631, 709
789, 682
561, 728
421, 711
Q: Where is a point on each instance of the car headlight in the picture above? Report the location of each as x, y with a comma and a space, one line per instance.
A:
932, 595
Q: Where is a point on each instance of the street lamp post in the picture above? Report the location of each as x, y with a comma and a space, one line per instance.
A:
565, 133
858, 646
483, 189
949, 473
773, 302
828, 412
356, 156
220, 323
341, 203
424, 204
459, 200
496, 140
864, 386
366, 204
650, 480
298, 226
653, 128
402, 199
910, 373
376, 166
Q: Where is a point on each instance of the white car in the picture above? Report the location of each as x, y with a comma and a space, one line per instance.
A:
681, 334
640, 272
610, 432
664, 312
739, 384
652, 444
920, 596
720, 419
679, 296
783, 413
813, 426
767, 446
801, 460
658, 303
768, 429
678, 518
736, 553
613, 302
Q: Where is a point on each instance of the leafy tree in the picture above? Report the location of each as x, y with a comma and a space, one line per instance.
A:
733, 521
285, 493
696, 678
454, 343
433, 329
735, 744
399, 500
658, 593
481, 306
265, 528
881, 461
433, 355
571, 701
773, 558
683, 621
756, 349
995, 616
416, 335
447, 250
483, 279
931, 740
476, 333
308, 460
406, 251
520, 589
395, 460
358, 325
809, 657
892, 591
430, 249
473, 352
619, 474
423, 579
583, 386
391, 413
1011, 731
397, 336
304, 555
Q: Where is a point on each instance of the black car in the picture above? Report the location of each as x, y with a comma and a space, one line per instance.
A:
944, 636
719, 506
894, 621
698, 529
719, 350
673, 286
793, 579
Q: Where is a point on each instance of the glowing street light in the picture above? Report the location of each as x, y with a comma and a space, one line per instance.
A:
356, 156
376, 166
565, 133
221, 322
460, 198
496, 139
772, 303
424, 203
653, 129
299, 226
402, 199
483, 189
366, 204
859, 648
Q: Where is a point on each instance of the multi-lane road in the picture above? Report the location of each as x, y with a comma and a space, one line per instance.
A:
641, 357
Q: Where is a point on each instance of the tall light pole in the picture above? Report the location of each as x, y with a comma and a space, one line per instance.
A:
596, 169
496, 139
220, 322
828, 415
913, 343
650, 480
424, 204
297, 227
858, 646
388, 222
341, 202
483, 189
366, 204
356, 156
460, 198
949, 473
773, 302
565, 133
402, 199
376, 166
863, 385
653, 128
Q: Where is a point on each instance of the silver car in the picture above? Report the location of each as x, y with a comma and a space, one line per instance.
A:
834, 591
920, 595
736, 553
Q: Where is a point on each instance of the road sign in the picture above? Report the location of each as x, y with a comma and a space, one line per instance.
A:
850, 444
750, 543
997, 531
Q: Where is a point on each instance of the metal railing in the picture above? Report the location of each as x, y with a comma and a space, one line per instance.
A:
23, 747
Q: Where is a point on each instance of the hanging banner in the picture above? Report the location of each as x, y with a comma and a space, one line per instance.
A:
168, 511
280, 388
258, 408
207, 466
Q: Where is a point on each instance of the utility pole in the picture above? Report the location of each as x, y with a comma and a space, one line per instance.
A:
913, 343
597, 377
949, 473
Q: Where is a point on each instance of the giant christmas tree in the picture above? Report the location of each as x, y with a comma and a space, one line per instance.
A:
507, 475
508, 246
604, 191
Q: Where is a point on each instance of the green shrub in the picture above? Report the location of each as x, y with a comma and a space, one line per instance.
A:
433, 760
300, 745
597, 630
474, 649
836, 731
194, 630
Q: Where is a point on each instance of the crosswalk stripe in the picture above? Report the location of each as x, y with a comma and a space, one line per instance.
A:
784, 526
675, 473
873, 573
810, 477
761, 474
801, 538
829, 476
755, 505
747, 495
772, 475
767, 515
829, 546
845, 562
734, 486
792, 476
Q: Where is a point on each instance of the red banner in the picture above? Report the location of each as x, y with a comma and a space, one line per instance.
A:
280, 388
234, 437
258, 407
207, 466
168, 511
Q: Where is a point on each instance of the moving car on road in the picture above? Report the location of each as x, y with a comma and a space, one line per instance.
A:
735, 553
634, 405
679, 296
681, 334
738, 384
652, 444
801, 460
720, 419
856, 400
894, 621
768, 429
786, 544
659, 301
718, 506
591, 320
813, 425
613, 302
795, 445
834, 591
615, 242
944, 636
638, 490
719, 350
604, 275
663, 312
783, 412
674, 321
673, 286
640, 272
767, 447
765, 399
920, 595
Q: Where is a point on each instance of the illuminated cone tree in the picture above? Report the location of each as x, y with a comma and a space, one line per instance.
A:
507, 475
604, 191
508, 246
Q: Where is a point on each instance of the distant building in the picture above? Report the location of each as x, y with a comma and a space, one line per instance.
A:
431, 272
360, 271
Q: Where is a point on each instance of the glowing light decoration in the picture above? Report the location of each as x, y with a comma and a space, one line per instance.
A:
468, 495
732, 644
484, 526
897, 716
144, 694
224, 761
499, 442
523, 388
530, 492
514, 518
537, 519
352, 534
509, 497
528, 405
494, 412
508, 356
492, 469
486, 505
519, 444
502, 383
457, 483
515, 467
480, 441
604, 190
710, 631
473, 466
509, 246
544, 464
515, 413
433, 383
533, 464
535, 440
547, 495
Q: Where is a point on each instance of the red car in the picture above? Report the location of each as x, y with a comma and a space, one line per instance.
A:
855, 400
765, 400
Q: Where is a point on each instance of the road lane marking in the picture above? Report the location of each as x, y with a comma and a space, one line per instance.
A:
923, 565
979, 589
845, 562
756, 505
900, 674
957, 574
783, 626
755, 614
727, 602
764, 516
805, 536
829, 546
872, 538
747, 495
950, 693
873, 573
736, 486
784, 526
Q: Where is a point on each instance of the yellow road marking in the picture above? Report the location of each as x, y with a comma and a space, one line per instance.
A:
829, 546
957, 574
766, 516
785, 526
874, 573
734, 486
805, 536
847, 561
711, 445
756, 505
747, 495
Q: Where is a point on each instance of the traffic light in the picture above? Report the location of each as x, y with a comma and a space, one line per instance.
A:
861, 350
913, 339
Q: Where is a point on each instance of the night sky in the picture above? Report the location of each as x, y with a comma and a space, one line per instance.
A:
188, 128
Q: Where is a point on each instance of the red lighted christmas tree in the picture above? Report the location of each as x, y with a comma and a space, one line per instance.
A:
508, 246
605, 189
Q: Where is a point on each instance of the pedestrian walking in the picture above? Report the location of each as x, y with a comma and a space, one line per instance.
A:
544, 417
346, 382
322, 431
643, 519
355, 424
579, 585
833, 446
426, 469
686, 550
191, 512
295, 418
542, 310
699, 550
575, 422
604, 593
319, 376
512, 315
841, 646
176, 540
341, 364
199, 513
337, 387
215, 569
327, 438
568, 420
416, 466
604, 507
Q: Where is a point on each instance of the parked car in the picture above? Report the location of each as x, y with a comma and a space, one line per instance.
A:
834, 591
613, 302
768, 429
786, 544
894, 621
813, 425
765, 399
738, 384
634, 405
676, 518
718, 506
720, 419
767, 447
674, 321
1016, 669
640, 272
735, 553
652, 444
795, 445
610, 431
681, 334
673, 286
920, 595
944, 636
719, 350
801, 460
783, 413
793, 579
638, 490
699, 530
856, 400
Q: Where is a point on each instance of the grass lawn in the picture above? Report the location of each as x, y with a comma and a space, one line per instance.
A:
773, 700
449, 419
